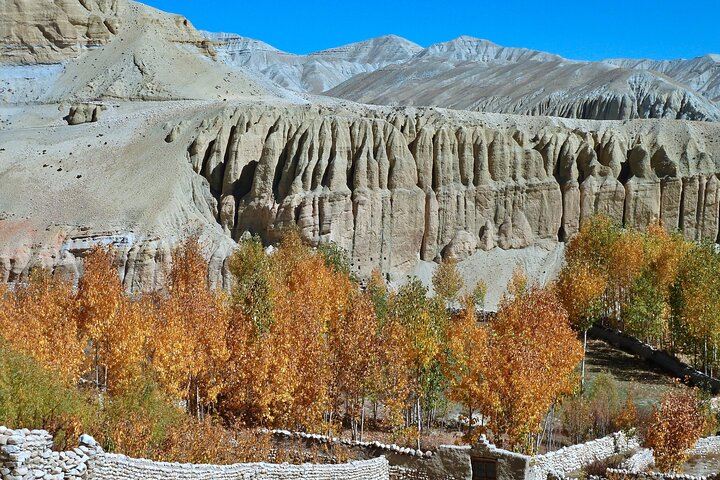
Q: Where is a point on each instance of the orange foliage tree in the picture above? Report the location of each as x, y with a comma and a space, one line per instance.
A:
674, 428
115, 327
188, 342
355, 353
533, 354
289, 347
39, 319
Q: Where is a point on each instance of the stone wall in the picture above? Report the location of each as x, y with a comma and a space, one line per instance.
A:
620, 474
28, 455
662, 359
575, 457
639, 461
707, 446
455, 462
119, 467
643, 459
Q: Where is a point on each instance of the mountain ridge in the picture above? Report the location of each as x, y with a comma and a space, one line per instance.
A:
478, 74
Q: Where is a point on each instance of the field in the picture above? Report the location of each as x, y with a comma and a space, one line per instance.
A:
646, 381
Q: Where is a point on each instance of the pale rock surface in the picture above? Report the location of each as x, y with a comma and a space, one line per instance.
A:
394, 187
316, 72
475, 74
702, 73
148, 55
222, 152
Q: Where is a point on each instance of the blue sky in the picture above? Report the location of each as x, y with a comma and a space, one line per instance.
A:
585, 30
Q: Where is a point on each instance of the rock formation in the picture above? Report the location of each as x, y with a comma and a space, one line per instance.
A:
86, 50
221, 151
395, 187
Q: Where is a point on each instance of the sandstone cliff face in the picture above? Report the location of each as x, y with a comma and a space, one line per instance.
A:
396, 186
47, 31
43, 31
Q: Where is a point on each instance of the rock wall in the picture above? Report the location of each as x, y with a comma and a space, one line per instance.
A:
395, 186
27, 455
455, 462
628, 475
575, 457
707, 446
119, 467
42, 31
668, 362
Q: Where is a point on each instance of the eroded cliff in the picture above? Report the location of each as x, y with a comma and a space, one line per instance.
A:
394, 186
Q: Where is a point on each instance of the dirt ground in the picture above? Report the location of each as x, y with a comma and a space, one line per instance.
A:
647, 381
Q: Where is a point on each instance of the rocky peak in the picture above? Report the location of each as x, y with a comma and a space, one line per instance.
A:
379, 50
466, 48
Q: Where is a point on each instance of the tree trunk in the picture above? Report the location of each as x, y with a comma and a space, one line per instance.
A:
419, 423
582, 375
362, 419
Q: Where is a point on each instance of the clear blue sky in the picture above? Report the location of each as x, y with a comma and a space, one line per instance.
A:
577, 29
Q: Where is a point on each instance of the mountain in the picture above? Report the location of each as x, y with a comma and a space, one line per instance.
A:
141, 135
474, 74
467, 48
702, 74
557, 88
316, 72
117, 49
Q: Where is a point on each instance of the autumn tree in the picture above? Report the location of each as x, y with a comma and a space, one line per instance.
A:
696, 304
466, 364
189, 348
397, 362
355, 354
425, 321
533, 354
39, 319
447, 281
479, 294
378, 292
100, 300
115, 326
675, 426
250, 267
292, 377
580, 288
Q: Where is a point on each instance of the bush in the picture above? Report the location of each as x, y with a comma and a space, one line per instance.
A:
138, 422
36, 398
675, 426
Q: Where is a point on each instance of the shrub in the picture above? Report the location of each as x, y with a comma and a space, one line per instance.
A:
675, 426
33, 397
138, 422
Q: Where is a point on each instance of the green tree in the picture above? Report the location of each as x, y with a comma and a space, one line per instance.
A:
425, 320
250, 267
447, 281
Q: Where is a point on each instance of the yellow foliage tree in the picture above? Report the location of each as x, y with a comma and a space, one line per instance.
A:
39, 319
447, 281
533, 353
465, 366
189, 344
